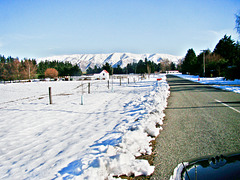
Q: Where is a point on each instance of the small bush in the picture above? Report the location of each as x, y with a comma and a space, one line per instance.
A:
51, 73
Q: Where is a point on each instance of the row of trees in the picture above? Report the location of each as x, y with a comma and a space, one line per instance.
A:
13, 69
63, 68
223, 61
141, 67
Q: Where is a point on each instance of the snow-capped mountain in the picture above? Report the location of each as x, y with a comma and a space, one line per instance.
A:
90, 60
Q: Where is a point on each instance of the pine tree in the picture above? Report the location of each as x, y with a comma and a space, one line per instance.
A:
226, 48
172, 65
108, 68
190, 62
141, 68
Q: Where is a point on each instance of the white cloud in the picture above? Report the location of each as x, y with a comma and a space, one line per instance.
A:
220, 34
209, 39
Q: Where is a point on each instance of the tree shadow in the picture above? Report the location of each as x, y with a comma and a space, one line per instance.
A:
234, 102
178, 84
197, 107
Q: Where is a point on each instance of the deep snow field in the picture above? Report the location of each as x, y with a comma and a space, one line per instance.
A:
217, 82
67, 140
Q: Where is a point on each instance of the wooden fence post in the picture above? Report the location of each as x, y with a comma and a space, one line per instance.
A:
82, 94
82, 99
50, 95
89, 88
108, 84
112, 83
120, 81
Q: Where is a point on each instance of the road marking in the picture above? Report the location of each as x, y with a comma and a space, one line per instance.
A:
227, 106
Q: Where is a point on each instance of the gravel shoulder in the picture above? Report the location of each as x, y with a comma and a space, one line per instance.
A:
196, 125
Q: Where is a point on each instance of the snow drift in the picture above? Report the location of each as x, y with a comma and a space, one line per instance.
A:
66, 140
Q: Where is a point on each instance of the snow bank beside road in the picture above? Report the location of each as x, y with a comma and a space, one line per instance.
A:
115, 154
218, 82
65, 140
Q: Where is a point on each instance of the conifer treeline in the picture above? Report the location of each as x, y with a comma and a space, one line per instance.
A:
140, 68
63, 68
224, 61
13, 69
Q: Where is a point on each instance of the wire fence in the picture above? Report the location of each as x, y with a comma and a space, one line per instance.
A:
114, 80
98, 86
84, 87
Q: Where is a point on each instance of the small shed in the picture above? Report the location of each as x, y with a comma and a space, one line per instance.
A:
104, 75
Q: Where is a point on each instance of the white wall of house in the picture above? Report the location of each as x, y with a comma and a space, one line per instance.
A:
102, 75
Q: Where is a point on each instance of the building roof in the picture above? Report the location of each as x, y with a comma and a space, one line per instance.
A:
105, 71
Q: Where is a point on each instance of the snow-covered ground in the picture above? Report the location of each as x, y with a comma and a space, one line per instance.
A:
218, 82
67, 140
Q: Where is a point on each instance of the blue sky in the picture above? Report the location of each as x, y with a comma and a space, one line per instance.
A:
40, 28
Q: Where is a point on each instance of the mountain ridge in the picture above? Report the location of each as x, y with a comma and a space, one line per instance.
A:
85, 61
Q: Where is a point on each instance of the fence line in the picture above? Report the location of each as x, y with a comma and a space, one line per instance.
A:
87, 87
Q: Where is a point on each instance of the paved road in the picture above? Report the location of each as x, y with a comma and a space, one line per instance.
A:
200, 121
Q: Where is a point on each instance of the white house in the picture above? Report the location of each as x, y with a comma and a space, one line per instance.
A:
104, 75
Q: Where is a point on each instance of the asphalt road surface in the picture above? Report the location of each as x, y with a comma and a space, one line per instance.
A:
200, 121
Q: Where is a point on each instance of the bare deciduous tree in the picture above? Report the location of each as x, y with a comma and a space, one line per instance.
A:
165, 65
28, 69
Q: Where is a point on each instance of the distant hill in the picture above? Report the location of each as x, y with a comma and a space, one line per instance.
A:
90, 60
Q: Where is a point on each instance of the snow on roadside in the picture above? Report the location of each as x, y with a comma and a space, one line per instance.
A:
98, 140
218, 82
115, 154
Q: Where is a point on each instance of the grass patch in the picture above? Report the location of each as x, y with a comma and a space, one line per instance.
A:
149, 158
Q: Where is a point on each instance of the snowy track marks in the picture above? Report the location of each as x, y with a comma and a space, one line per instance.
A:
39, 140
